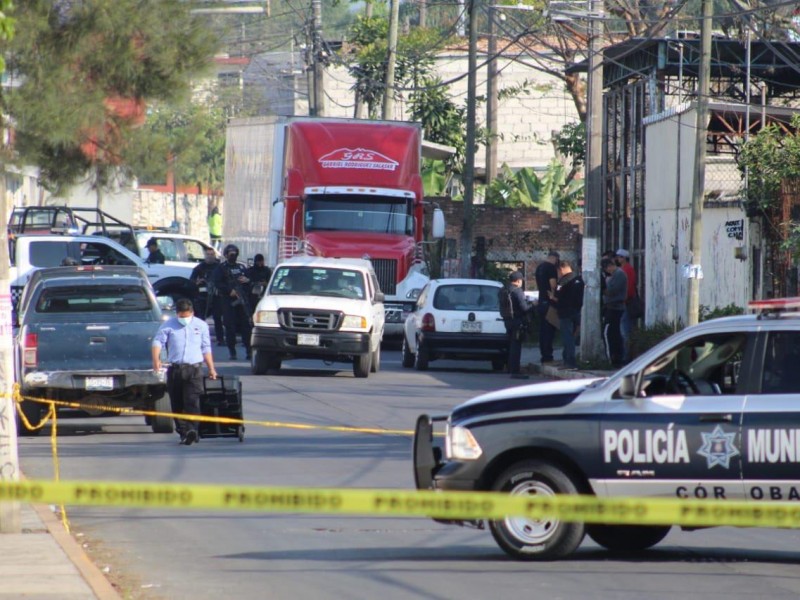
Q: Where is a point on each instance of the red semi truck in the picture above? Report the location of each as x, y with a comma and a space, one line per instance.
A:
337, 188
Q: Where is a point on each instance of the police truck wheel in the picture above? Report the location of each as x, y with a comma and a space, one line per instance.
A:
525, 538
421, 358
260, 363
408, 357
375, 364
627, 538
361, 364
158, 423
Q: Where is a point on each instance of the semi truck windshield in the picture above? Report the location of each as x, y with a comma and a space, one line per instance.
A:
342, 212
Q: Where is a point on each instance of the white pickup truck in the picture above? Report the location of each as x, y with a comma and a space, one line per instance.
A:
30, 252
325, 308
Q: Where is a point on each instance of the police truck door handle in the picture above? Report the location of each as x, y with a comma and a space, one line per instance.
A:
716, 418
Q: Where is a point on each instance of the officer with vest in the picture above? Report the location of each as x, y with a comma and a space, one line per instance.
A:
207, 302
215, 227
516, 324
233, 289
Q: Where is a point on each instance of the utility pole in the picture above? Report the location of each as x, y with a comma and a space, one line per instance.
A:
591, 319
9, 459
319, 69
698, 189
391, 59
469, 166
491, 100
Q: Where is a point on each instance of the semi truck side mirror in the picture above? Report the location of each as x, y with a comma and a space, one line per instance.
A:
437, 230
276, 216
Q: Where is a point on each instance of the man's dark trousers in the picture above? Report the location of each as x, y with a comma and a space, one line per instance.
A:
185, 385
236, 321
547, 332
516, 335
613, 336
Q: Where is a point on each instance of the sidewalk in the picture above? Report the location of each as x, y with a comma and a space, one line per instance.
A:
531, 364
45, 561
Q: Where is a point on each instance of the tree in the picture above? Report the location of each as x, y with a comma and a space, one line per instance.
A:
86, 71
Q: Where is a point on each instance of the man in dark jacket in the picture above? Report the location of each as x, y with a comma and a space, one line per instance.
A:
233, 289
613, 307
517, 324
156, 257
568, 300
207, 302
258, 275
546, 278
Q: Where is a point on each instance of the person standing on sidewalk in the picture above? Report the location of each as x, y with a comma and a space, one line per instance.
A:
516, 322
626, 324
613, 307
546, 279
568, 300
188, 345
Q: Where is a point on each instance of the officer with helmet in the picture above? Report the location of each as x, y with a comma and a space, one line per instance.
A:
233, 289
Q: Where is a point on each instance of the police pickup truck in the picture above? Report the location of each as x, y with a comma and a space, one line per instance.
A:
35, 251
713, 412
324, 308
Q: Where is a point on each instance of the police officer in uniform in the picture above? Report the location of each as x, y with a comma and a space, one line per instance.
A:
517, 325
188, 346
258, 275
233, 289
207, 302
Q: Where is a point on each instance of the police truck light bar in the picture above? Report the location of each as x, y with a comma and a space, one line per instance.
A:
775, 305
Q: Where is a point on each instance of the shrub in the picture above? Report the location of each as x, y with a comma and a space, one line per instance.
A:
706, 313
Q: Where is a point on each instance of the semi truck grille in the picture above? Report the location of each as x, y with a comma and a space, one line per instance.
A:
386, 270
311, 320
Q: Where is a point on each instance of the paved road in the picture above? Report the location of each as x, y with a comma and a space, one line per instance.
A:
202, 555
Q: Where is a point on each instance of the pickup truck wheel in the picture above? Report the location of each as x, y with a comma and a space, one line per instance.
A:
32, 412
259, 364
421, 358
408, 357
161, 424
273, 363
536, 539
498, 364
361, 364
627, 538
375, 364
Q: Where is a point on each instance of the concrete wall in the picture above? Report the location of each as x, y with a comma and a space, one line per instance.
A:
670, 143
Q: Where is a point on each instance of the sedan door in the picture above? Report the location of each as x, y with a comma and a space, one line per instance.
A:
682, 438
771, 423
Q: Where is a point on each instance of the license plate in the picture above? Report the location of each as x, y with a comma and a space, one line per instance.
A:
308, 339
471, 326
99, 383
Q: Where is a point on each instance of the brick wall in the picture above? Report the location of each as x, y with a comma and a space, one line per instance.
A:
511, 235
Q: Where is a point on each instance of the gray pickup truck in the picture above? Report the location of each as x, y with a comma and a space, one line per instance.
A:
84, 335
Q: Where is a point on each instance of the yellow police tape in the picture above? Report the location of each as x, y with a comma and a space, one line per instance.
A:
200, 418
400, 503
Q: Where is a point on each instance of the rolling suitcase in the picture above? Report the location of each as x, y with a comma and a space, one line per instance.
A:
222, 397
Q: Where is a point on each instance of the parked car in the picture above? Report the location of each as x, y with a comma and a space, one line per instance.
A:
709, 413
325, 308
456, 319
83, 334
178, 249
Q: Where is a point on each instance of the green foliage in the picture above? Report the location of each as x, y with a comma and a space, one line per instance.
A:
644, 338
570, 141
73, 58
769, 157
434, 177
188, 138
707, 313
525, 189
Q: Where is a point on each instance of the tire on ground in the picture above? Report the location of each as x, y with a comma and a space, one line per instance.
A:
260, 363
408, 356
375, 363
536, 539
361, 364
627, 538
421, 358
158, 423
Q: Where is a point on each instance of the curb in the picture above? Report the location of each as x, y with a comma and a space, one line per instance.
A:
91, 574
